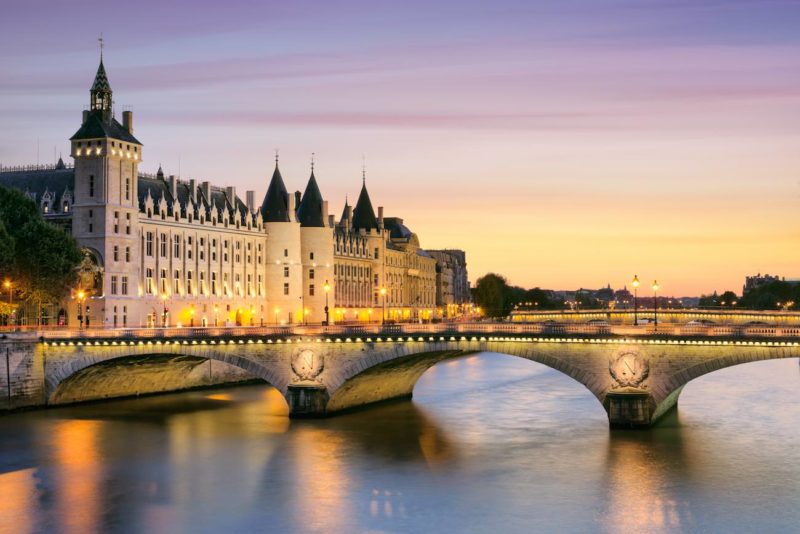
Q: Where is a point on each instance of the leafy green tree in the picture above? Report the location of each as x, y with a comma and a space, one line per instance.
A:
43, 259
493, 294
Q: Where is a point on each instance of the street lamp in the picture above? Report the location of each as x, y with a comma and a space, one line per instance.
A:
191, 316
216, 309
164, 314
277, 311
635, 285
7, 284
655, 304
81, 296
383, 313
327, 289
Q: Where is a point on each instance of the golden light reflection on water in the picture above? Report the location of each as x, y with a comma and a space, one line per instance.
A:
638, 491
18, 501
78, 490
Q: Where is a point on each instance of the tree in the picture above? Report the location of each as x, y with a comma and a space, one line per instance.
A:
43, 260
493, 294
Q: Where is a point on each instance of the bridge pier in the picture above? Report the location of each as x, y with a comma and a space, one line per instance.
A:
629, 408
307, 400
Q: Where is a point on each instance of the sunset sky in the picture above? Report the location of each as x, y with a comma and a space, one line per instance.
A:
565, 144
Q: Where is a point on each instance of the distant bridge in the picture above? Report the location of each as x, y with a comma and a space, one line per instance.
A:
637, 373
726, 316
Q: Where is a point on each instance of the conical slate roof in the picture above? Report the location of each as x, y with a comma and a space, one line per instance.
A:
309, 213
101, 80
344, 211
275, 207
363, 214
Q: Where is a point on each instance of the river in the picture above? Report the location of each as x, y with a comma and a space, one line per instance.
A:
490, 443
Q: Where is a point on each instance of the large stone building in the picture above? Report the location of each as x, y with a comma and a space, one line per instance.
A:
167, 251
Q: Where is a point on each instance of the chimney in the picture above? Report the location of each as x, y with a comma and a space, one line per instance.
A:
380, 217
331, 221
173, 187
230, 192
325, 210
348, 216
251, 201
127, 121
206, 188
85, 116
297, 198
291, 208
193, 190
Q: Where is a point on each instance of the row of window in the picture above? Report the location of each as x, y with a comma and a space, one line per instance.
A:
216, 289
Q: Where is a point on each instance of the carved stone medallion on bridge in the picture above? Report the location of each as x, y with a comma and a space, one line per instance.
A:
306, 364
629, 369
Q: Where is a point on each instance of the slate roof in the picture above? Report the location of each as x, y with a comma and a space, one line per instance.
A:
344, 211
36, 182
97, 128
363, 214
309, 212
101, 79
397, 230
275, 207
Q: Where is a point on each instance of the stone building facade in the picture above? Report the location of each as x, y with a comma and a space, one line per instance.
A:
168, 251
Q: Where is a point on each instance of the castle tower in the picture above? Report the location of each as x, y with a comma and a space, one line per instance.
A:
316, 245
105, 211
366, 224
283, 259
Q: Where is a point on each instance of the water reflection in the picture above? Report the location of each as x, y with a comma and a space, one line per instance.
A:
490, 444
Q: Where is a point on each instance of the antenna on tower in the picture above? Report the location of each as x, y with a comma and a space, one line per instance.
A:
363, 169
276, 157
312, 162
100, 40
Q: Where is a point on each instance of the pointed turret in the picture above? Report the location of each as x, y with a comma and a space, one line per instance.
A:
310, 212
275, 207
363, 214
160, 172
60, 165
100, 94
345, 211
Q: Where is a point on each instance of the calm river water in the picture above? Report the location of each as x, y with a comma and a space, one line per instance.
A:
490, 444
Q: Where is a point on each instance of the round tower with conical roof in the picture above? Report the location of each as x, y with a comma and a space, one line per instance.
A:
283, 259
316, 246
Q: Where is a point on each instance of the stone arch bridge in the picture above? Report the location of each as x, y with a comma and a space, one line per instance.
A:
637, 376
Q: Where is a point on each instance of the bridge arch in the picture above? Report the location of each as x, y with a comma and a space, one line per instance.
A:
395, 373
94, 374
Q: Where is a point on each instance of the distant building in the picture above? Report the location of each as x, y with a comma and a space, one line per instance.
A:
452, 282
759, 280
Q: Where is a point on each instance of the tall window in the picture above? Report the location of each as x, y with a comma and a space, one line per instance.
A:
286, 272
91, 185
149, 245
127, 188
148, 282
91, 221
189, 247
116, 222
286, 288
189, 283
114, 285
127, 254
163, 245
311, 290
176, 283
177, 248
213, 283
124, 285
163, 281
203, 283
311, 274
202, 251
116, 252
128, 223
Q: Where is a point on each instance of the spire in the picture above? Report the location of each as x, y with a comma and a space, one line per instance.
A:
100, 94
363, 214
309, 212
275, 207
344, 211
160, 173
60, 165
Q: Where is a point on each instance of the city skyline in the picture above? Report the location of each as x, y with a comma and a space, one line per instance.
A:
655, 141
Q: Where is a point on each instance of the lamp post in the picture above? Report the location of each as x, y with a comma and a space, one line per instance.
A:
216, 309
191, 316
327, 289
655, 304
635, 285
164, 314
7, 284
81, 296
277, 311
383, 313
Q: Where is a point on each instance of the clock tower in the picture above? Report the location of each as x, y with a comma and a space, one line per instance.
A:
106, 205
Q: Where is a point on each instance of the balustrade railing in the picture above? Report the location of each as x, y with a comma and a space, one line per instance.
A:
484, 329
